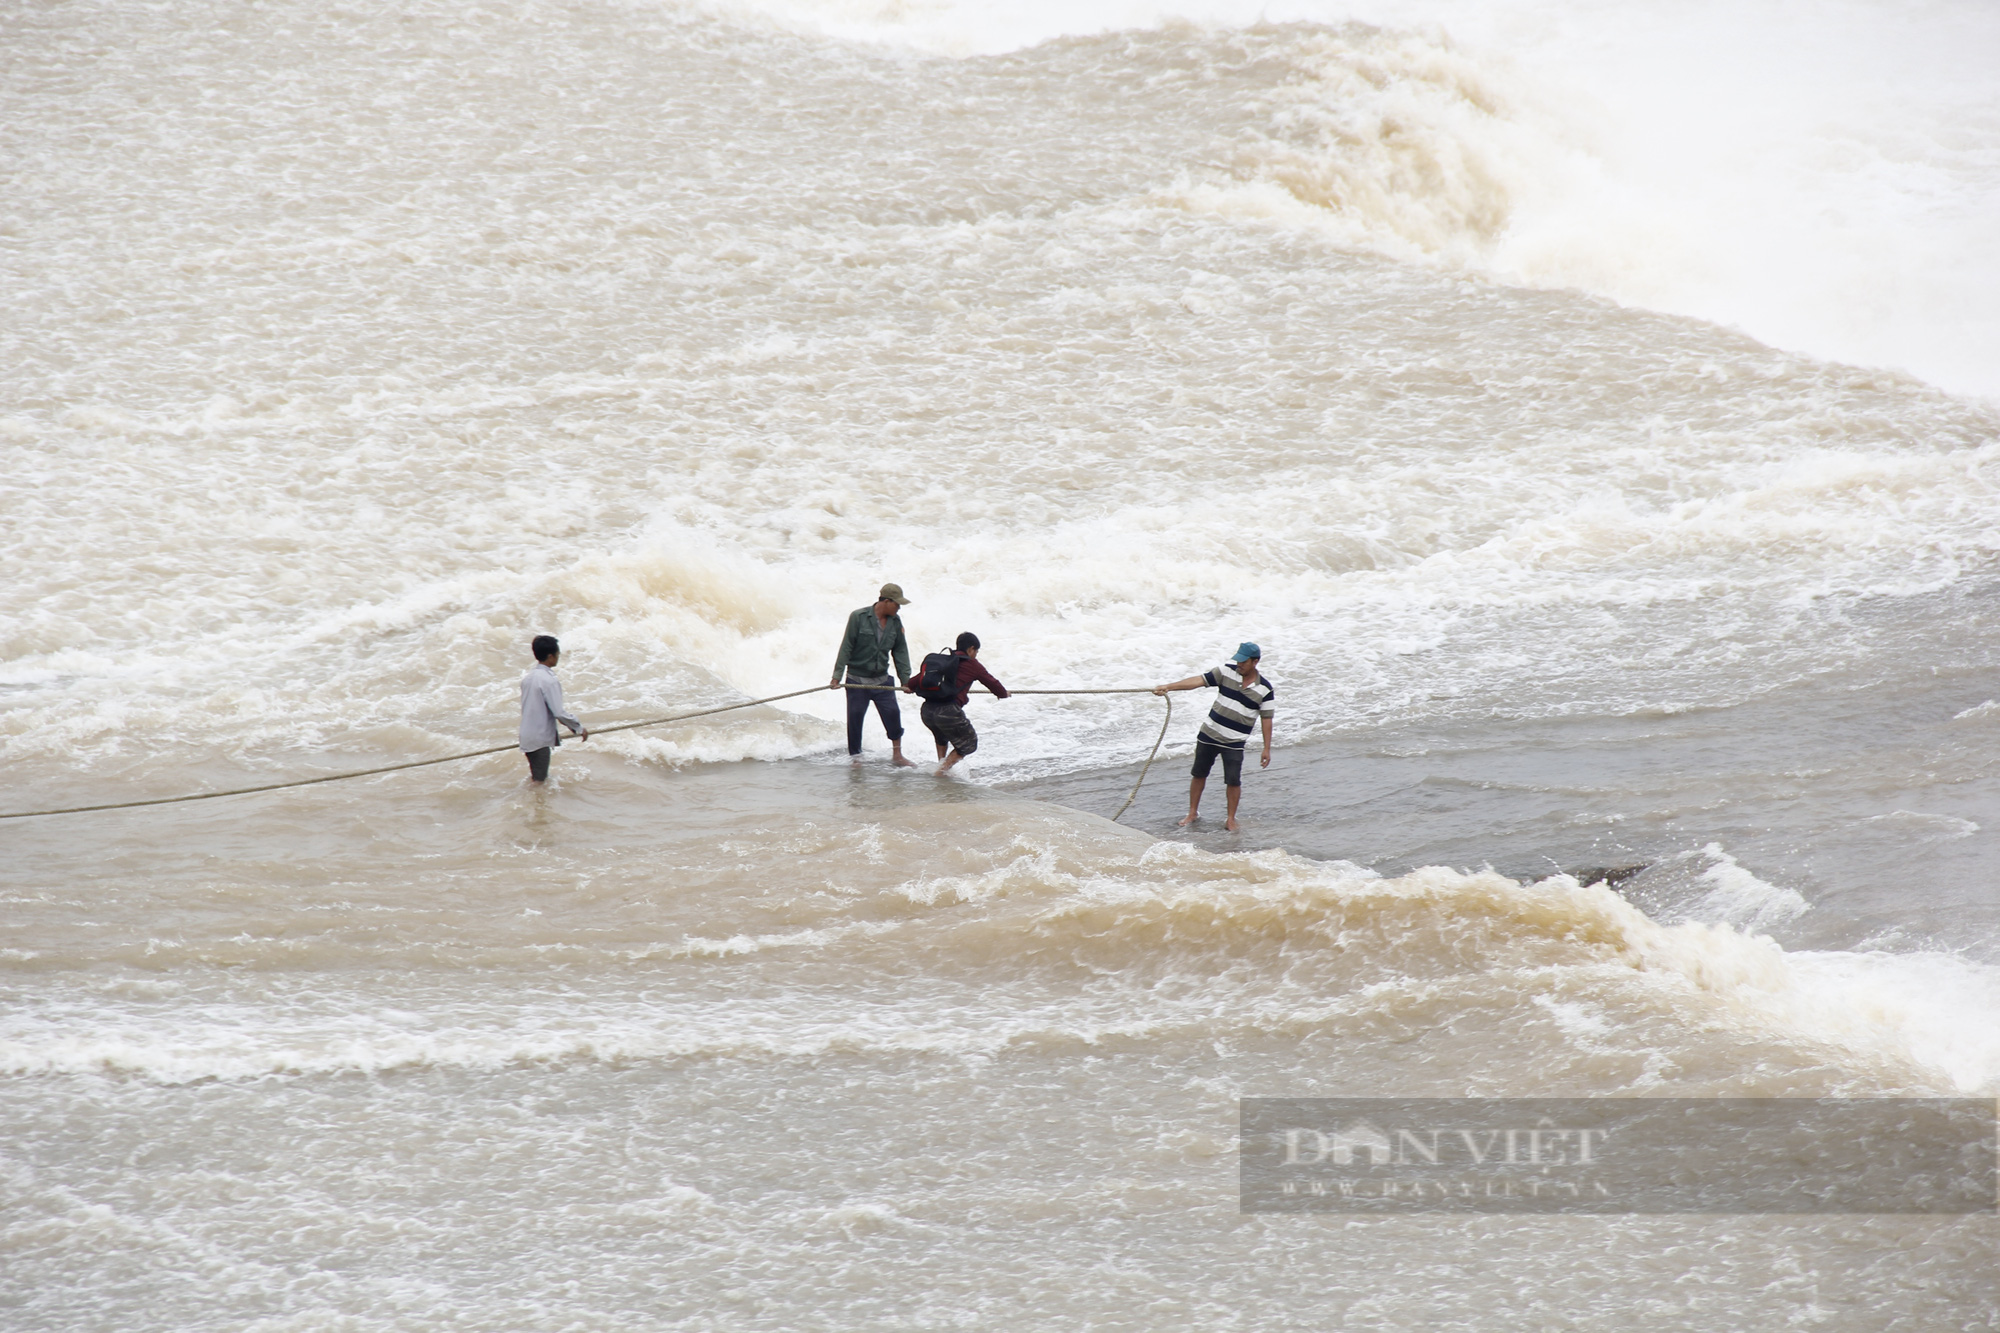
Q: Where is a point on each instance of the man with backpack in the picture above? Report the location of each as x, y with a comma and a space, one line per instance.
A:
1242, 699
874, 636
944, 683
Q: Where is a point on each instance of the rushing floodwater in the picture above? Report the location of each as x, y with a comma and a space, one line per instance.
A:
347, 347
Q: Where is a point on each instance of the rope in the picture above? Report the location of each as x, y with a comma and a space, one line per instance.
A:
1128, 689
1164, 721
385, 768
1167, 699
501, 749
1143, 689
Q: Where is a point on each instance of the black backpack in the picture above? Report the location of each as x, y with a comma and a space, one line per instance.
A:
936, 680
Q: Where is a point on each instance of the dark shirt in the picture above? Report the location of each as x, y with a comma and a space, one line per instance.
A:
867, 646
971, 673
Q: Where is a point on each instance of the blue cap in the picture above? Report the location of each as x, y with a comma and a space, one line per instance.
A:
1246, 651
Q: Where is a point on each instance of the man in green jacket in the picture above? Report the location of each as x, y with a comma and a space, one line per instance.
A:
874, 636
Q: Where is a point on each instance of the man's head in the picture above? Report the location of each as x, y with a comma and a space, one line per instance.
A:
890, 600
968, 643
1247, 654
546, 649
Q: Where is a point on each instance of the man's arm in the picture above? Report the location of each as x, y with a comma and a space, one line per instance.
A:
984, 677
846, 651
901, 650
542, 697
556, 710
1191, 683
1266, 761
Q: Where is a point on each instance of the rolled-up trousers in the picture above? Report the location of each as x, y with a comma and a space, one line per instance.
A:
885, 703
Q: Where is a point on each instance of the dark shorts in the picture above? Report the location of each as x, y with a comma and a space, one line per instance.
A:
1205, 752
949, 725
538, 763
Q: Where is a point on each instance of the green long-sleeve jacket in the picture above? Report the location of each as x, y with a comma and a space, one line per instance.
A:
866, 647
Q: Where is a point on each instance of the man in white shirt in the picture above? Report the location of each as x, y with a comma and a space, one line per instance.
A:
1243, 698
542, 708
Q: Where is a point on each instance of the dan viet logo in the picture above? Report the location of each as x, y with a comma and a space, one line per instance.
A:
1539, 1145
1611, 1155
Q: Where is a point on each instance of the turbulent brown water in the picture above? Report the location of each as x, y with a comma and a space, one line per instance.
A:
348, 347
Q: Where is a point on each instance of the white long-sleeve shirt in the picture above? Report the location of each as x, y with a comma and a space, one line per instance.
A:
541, 709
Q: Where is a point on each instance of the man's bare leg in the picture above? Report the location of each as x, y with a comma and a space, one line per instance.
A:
946, 766
896, 756
1194, 801
1233, 794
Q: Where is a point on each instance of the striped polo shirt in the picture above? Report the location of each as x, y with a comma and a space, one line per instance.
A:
1237, 707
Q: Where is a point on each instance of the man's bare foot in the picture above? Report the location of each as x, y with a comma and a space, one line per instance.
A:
854, 759
901, 762
1186, 819
1230, 824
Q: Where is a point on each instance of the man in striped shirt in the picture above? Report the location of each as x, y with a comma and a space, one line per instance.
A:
1242, 697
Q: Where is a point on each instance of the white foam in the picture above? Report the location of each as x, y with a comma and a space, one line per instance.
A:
1826, 183
1928, 825
1740, 899
1935, 1014
1603, 972
1941, 1008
